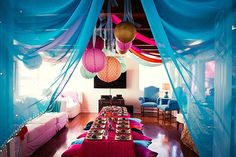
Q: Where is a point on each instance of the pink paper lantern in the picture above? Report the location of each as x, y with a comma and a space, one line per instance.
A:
93, 60
111, 71
99, 44
122, 48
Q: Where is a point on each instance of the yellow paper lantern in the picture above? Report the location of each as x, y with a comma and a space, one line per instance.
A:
111, 71
125, 32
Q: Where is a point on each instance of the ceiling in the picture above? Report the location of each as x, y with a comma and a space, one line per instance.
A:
139, 17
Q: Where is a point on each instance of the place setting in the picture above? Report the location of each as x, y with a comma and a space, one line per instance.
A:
94, 136
123, 137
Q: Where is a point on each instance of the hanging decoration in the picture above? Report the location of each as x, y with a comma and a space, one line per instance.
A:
125, 32
86, 74
99, 43
137, 52
32, 62
123, 67
122, 48
111, 71
138, 36
93, 60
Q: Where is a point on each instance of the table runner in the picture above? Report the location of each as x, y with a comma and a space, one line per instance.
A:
108, 147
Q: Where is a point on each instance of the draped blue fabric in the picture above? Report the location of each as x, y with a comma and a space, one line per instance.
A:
195, 40
33, 32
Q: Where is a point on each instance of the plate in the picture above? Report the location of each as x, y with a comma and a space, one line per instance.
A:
122, 118
102, 126
91, 136
123, 131
96, 131
122, 126
100, 122
123, 137
101, 118
125, 122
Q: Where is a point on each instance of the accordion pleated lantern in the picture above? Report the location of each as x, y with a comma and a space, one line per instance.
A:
86, 74
99, 44
122, 48
93, 60
111, 71
123, 67
33, 62
125, 32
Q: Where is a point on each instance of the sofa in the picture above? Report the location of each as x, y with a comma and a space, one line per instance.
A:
73, 101
40, 131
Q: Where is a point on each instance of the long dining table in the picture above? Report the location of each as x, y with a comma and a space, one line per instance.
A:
110, 135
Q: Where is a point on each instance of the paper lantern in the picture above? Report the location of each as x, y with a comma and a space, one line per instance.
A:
33, 62
111, 71
93, 60
125, 32
122, 48
99, 44
86, 74
123, 67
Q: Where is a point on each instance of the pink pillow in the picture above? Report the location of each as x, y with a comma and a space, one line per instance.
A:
142, 151
72, 151
137, 136
82, 135
137, 125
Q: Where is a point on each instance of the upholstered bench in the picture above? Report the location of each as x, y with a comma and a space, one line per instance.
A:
40, 131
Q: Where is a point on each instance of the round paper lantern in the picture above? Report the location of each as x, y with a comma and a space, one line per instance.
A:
99, 44
86, 74
122, 48
125, 32
33, 62
111, 71
93, 60
123, 67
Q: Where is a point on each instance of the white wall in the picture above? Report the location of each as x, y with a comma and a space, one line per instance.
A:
130, 94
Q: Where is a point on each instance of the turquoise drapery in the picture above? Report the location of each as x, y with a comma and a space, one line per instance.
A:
195, 42
199, 33
32, 31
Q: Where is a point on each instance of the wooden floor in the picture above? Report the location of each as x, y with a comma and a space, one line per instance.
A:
164, 134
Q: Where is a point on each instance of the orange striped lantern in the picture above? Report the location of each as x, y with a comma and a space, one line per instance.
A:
111, 71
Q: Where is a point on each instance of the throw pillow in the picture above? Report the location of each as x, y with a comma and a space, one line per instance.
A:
78, 141
135, 119
137, 130
137, 136
88, 125
150, 99
142, 151
73, 150
82, 135
142, 143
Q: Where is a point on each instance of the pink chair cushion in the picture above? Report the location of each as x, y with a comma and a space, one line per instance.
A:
72, 151
142, 151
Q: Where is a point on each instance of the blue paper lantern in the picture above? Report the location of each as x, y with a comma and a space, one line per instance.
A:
123, 67
33, 62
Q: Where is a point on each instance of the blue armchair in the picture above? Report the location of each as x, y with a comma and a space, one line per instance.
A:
168, 105
150, 99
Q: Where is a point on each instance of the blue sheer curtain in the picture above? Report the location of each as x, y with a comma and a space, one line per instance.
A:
195, 41
35, 34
